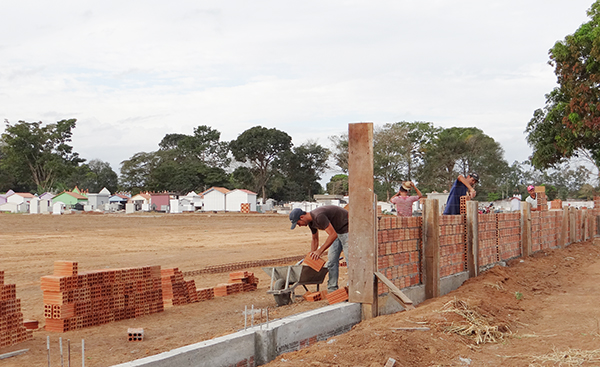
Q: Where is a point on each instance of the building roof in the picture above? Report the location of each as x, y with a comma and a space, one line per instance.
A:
246, 191
222, 190
24, 194
73, 194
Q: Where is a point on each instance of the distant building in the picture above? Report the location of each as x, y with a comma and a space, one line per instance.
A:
214, 199
235, 198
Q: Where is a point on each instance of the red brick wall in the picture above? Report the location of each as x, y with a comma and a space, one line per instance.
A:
399, 250
453, 245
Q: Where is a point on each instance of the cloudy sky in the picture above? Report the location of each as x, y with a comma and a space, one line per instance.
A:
131, 72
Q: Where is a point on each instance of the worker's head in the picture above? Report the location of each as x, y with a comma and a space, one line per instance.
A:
296, 217
530, 189
405, 186
473, 178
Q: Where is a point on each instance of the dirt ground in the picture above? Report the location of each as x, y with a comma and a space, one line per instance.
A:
544, 307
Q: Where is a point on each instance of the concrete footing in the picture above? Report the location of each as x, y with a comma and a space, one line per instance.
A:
260, 344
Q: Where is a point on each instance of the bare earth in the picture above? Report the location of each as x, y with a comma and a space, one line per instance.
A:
546, 304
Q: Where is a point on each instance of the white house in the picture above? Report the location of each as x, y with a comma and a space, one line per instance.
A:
21, 199
193, 199
235, 198
214, 199
99, 200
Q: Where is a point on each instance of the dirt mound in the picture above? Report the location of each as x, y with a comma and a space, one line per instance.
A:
525, 306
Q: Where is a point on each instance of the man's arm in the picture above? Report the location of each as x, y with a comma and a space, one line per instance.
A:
316, 251
472, 191
417, 190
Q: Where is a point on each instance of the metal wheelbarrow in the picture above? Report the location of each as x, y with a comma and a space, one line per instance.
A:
285, 279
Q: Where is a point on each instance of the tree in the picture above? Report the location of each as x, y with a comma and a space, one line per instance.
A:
460, 151
94, 176
259, 147
338, 185
38, 155
569, 124
302, 168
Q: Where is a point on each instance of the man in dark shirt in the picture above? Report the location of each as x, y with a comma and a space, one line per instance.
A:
461, 187
333, 220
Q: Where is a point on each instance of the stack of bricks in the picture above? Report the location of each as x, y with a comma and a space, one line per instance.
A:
204, 294
226, 289
245, 207
509, 235
176, 291
556, 204
246, 278
453, 246
488, 239
542, 200
399, 242
75, 300
12, 329
340, 295
315, 296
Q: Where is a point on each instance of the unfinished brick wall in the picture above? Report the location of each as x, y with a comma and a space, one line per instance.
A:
488, 239
453, 247
12, 329
545, 229
509, 235
400, 242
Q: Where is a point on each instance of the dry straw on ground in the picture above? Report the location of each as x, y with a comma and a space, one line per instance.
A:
475, 325
568, 358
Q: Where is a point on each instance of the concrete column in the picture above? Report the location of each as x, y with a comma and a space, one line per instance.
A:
564, 229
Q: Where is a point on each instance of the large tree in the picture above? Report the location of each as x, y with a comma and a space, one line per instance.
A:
569, 124
93, 176
38, 155
259, 147
459, 151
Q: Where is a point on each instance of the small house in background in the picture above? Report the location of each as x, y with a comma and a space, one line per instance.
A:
69, 199
160, 202
235, 199
3, 197
34, 205
118, 201
21, 200
141, 201
192, 199
214, 199
99, 200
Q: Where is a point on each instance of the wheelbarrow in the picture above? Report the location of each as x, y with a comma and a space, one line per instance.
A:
285, 279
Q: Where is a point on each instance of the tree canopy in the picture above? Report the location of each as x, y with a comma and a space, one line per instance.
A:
36, 156
569, 124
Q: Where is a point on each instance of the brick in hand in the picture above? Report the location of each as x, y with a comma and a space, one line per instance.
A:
317, 265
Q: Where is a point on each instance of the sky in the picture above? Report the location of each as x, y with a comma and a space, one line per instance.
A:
131, 72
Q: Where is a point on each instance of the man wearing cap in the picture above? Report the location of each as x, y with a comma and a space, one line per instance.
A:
403, 201
532, 198
333, 220
461, 187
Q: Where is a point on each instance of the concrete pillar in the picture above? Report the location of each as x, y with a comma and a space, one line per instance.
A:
431, 248
526, 229
472, 238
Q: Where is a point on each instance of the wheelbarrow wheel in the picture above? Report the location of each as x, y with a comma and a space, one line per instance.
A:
283, 298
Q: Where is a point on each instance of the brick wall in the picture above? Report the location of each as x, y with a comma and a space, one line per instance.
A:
399, 250
509, 235
453, 246
488, 239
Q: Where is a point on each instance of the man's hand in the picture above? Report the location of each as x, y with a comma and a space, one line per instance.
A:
315, 255
472, 193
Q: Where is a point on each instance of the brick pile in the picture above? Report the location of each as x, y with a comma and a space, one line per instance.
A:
399, 242
453, 244
176, 291
12, 328
224, 268
340, 295
315, 296
241, 281
488, 239
75, 300
245, 207
509, 235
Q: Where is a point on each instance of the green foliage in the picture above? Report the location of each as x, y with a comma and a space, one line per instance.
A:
493, 196
569, 124
259, 147
36, 156
459, 151
338, 185
93, 176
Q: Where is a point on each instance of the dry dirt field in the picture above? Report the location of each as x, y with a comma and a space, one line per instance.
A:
539, 310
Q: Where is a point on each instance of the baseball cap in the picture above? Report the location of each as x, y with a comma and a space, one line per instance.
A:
530, 187
295, 216
475, 176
